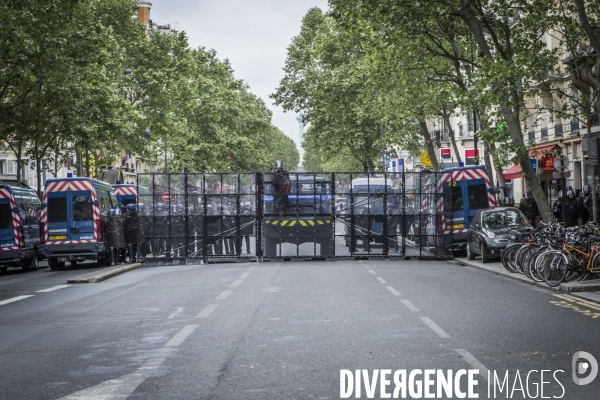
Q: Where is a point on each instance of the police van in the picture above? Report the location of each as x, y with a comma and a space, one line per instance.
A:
19, 228
300, 214
375, 205
448, 205
80, 221
128, 193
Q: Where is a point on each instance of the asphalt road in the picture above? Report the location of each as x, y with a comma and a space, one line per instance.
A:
283, 330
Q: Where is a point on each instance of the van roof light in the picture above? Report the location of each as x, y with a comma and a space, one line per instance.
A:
69, 174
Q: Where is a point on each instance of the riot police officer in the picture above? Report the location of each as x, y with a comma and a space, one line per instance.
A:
214, 230
572, 209
160, 228
281, 188
529, 207
557, 206
131, 230
392, 229
586, 199
177, 230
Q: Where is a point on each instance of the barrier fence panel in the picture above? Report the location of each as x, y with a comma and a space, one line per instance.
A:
224, 216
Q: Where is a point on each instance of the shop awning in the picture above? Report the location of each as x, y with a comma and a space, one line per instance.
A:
513, 172
540, 150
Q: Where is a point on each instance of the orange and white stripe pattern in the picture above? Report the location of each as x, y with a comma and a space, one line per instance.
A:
126, 191
16, 220
461, 175
70, 185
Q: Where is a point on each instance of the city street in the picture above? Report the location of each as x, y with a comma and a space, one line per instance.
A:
285, 330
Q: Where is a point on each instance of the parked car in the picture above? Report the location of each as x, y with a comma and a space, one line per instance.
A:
490, 230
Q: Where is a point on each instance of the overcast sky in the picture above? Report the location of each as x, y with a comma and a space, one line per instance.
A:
252, 34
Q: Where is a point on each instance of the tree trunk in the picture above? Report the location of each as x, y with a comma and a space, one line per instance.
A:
452, 137
429, 145
19, 155
38, 176
497, 167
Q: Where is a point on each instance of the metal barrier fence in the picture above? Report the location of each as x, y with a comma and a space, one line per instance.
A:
230, 216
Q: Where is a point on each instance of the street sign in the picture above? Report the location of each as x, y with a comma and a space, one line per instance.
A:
425, 160
561, 163
559, 175
165, 196
534, 164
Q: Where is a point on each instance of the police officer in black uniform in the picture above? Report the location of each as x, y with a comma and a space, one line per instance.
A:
529, 207
160, 228
392, 229
132, 228
586, 211
557, 206
281, 188
572, 209
177, 233
214, 232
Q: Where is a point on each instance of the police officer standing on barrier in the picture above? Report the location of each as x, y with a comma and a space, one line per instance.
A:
281, 188
529, 207
572, 209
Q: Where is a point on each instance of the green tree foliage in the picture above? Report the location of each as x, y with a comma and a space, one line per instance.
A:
63, 90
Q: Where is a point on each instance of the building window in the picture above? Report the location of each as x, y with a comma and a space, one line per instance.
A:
558, 130
531, 135
544, 133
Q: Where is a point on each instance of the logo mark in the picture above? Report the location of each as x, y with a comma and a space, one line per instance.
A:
583, 363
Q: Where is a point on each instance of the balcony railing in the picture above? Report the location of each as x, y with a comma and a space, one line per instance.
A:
441, 135
574, 127
558, 130
531, 136
544, 133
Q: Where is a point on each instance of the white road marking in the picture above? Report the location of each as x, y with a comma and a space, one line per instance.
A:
434, 327
181, 335
174, 313
223, 295
245, 275
120, 388
394, 291
206, 311
360, 261
473, 362
372, 272
236, 283
410, 305
3, 302
380, 279
52, 289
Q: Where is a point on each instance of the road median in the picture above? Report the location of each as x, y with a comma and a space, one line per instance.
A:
103, 274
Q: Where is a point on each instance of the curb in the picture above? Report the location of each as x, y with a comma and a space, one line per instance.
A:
577, 289
104, 274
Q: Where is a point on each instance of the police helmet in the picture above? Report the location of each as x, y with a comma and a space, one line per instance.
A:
160, 206
141, 207
112, 211
278, 164
570, 192
586, 188
568, 187
528, 194
131, 207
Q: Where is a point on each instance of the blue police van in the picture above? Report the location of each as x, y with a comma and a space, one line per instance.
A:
81, 220
19, 228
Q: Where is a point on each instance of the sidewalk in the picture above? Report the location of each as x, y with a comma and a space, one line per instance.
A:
105, 273
588, 290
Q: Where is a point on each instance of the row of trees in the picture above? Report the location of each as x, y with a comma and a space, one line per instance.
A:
369, 74
85, 77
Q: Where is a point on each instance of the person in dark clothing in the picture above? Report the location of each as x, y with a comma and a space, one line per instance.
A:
557, 207
281, 188
572, 209
529, 207
586, 211
392, 229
